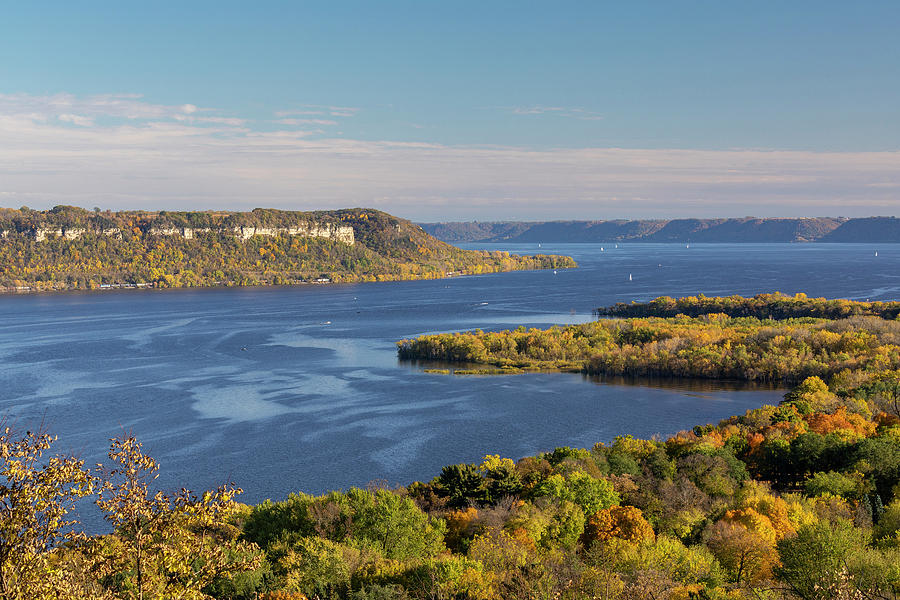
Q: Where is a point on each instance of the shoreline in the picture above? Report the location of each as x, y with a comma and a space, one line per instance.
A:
29, 291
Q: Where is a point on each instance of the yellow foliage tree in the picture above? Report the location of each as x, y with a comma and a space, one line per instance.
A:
35, 498
165, 546
747, 555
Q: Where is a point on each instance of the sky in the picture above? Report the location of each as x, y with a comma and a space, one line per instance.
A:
443, 111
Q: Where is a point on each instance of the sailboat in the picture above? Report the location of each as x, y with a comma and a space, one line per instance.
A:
629, 277
876, 253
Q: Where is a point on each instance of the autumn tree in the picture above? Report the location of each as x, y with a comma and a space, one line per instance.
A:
164, 545
746, 554
36, 494
617, 522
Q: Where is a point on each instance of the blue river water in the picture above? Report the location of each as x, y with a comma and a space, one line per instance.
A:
299, 388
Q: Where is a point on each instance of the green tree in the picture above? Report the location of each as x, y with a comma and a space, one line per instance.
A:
590, 493
501, 478
314, 565
814, 562
834, 484
462, 484
394, 525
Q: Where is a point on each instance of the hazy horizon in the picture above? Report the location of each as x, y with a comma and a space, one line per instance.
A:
476, 220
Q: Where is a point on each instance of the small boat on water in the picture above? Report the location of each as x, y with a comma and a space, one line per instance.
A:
629, 277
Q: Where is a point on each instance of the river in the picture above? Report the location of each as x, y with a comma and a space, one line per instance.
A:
299, 388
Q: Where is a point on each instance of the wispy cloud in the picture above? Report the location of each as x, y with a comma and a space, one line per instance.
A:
232, 121
306, 122
107, 109
167, 158
557, 111
76, 119
319, 109
124, 106
290, 113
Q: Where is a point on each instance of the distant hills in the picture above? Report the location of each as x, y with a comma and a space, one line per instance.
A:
747, 230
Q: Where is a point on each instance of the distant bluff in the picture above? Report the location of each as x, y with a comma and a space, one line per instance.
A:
744, 230
72, 223
72, 248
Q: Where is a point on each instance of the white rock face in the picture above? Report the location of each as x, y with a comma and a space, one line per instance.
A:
335, 232
341, 233
164, 231
41, 234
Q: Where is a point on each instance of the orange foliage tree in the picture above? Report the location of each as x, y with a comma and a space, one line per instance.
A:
617, 522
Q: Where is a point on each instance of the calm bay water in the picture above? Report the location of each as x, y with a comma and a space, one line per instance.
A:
299, 388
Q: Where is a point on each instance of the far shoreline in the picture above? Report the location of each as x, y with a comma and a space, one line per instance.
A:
6, 292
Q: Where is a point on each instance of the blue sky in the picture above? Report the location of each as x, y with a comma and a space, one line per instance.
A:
455, 110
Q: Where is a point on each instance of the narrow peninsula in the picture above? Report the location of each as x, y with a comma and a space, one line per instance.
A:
68, 248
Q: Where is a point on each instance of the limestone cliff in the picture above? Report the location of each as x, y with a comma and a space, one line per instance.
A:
341, 233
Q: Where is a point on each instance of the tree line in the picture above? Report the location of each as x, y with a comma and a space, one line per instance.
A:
761, 306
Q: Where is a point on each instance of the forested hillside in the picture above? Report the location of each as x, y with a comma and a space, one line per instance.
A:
71, 248
795, 501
